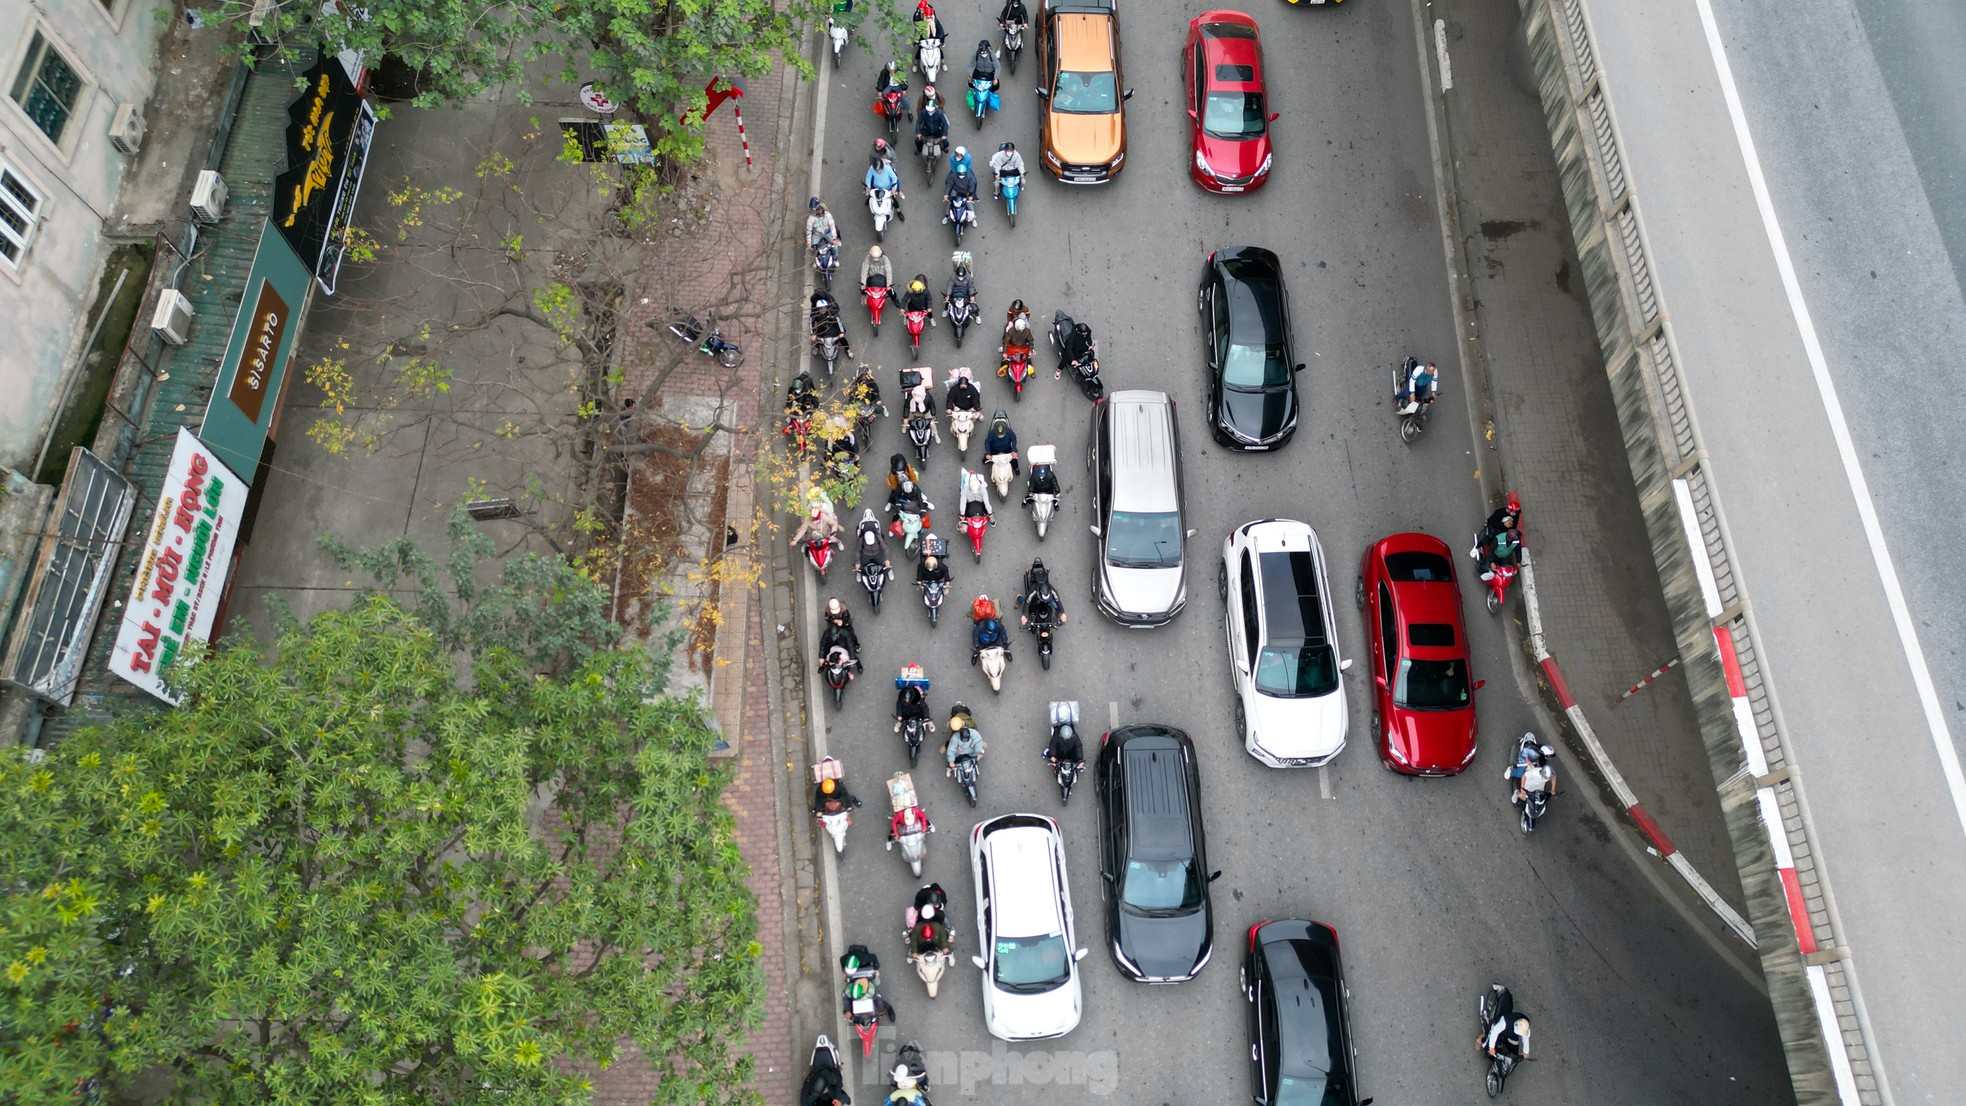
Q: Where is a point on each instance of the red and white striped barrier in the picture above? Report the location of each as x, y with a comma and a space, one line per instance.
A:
1646, 682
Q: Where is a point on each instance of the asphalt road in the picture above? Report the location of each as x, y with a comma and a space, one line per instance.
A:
1432, 889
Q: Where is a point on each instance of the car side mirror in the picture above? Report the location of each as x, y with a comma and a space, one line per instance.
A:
1192, 114
1108, 875
1095, 531
1345, 665
1380, 680
1192, 531
978, 961
1127, 95
1479, 684
1079, 955
1367, 1102
1044, 94
1215, 875
1300, 366
1274, 116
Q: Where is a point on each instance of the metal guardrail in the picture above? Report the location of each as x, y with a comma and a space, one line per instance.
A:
1811, 980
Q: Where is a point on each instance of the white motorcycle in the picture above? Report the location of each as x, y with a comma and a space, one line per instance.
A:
839, 33
962, 423
929, 58
930, 966
1000, 472
992, 660
1043, 504
880, 204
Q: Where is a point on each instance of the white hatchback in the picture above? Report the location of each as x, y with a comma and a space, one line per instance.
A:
1024, 918
1283, 644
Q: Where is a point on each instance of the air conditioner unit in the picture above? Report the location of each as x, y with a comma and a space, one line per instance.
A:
127, 128
172, 320
208, 198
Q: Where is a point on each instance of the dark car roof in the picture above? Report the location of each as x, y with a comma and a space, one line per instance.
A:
1292, 614
1155, 760
1245, 262
1301, 959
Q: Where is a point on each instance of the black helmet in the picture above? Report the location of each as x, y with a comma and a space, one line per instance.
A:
812, 203
982, 45
911, 695
897, 464
1016, 305
1007, 146
1082, 330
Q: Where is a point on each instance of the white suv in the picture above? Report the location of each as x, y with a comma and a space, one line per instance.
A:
1024, 916
1283, 644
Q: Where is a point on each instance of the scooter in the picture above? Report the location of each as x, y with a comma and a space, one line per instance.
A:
962, 423
961, 312
929, 58
993, 660
875, 296
824, 1081
826, 261
872, 571
973, 527
837, 668
966, 771
894, 103
914, 845
819, 552
829, 351
835, 825
1064, 718
981, 98
962, 214
908, 526
880, 204
1536, 780
1000, 472
921, 431
929, 967
1013, 44
1494, 1003
798, 428
1043, 504
839, 33
910, 1071
1017, 368
1412, 416
1499, 578
933, 592
1009, 187
862, 971
1085, 372
917, 320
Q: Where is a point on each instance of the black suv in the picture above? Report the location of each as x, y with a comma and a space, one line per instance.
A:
1300, 1029
1155, 871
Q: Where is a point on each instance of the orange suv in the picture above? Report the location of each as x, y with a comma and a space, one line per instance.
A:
1084, 128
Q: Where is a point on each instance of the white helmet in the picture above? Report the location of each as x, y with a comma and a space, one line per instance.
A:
874, 251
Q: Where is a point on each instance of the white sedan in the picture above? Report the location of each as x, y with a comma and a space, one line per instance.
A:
1024, 915
1283, 644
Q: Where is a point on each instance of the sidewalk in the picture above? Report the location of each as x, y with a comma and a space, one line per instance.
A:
1602, 603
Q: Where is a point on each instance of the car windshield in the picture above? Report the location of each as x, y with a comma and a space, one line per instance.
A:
1234, 115
1086, 93
1161, 885
1432, 685
1297, 671
1311, 1090
1031, 965
1255, 367
1144, 539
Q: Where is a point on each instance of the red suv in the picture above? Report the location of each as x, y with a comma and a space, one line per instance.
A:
1423, 714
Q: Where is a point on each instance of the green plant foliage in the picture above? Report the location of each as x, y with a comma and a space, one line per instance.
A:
336, 877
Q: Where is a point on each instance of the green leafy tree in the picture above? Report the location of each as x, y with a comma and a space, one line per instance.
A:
338, 874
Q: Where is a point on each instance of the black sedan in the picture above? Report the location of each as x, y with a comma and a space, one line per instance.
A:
1300, 1031
1252, 376
1155, 876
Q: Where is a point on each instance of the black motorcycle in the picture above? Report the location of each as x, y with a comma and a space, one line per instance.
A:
824, 1083
1085, 371
1068, 774
961, 313
966, 772
838, 671
1496, 1002
912, 732
921, 431
933, 592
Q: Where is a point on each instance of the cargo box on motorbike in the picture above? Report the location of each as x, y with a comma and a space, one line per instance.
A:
901, 791
1043, 454
910, 378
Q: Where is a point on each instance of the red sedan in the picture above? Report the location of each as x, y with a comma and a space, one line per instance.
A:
1228, 114
1423, 713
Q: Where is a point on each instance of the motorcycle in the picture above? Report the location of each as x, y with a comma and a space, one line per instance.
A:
908, 526
1000, 472
981, 98
826, 262
875, 296
839, 33
928, 58
1085, 372
829, 350
861, 967
916, 320
993, 659
894, 103
824, 1081
1537, 780
973, 527
1064, 717
1499, 576
837, 668
1412, 416
933, 592
880, 204
932, 151
835, 825
1013, 44
961, 312
1017, 367
872, 571
1043, 504
914, 844
798, 428
966, 771
1043, 629
1009, 188
921, 431
819, 552
910, 1071
929, 967
962, 423
1494, 1003
962, 213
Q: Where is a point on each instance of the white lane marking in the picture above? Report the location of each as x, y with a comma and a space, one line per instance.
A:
1323, 782
1112, 715
1894, 594
1440, 48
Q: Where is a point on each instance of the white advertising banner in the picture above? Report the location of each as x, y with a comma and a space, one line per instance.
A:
187, 552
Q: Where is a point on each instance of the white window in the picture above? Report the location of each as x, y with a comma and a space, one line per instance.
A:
47, 87
20, 205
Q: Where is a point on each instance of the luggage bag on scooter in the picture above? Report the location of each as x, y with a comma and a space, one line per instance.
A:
901, 791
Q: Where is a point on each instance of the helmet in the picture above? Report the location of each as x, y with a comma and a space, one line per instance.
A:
928, 933
1007, 146
881, 146
1017, 305
928, 912
911, 694
834, 607
1521, 1026
827, 787
874, 252
857, 989
1547, 752
812, 203
1066, 729
917, 285
1513, 502
907, 486
1082, 330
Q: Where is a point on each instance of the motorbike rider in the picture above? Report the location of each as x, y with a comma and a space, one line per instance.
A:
1013, 14
893, 77
1503, 549
931, 122
965, 740
907, 497
821, 229
1077, 349
962, 282
898, 469
911, 702
909, 819
932, 570
961, 180
824, 1086
823, 321
1040, 599
916, 298
837, 629
926, 23
873, 551
802, 397
876, 271
1420, 388
1044, 481
928, 937
880, 153
1534, 770
963, 395
884, 176
1017, 335
832, 797
976, 498
1506, 517
983, 67
862, 991
1508, 1034
1065, 746
921, 395
1001, 438
988, 633
820, 521
863, 395
1006, 162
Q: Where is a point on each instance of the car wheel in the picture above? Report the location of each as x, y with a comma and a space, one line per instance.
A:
1222, 580
1242, 722
1358, 595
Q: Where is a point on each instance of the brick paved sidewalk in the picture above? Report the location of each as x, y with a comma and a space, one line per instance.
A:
1601, 600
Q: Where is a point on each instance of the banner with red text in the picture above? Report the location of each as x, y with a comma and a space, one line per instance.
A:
187, 553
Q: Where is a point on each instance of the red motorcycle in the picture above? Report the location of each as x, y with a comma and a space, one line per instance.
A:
893, 104
916, 321
819, 552
876, 297
798, 427
1017, 367
1499, 578
974, 525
